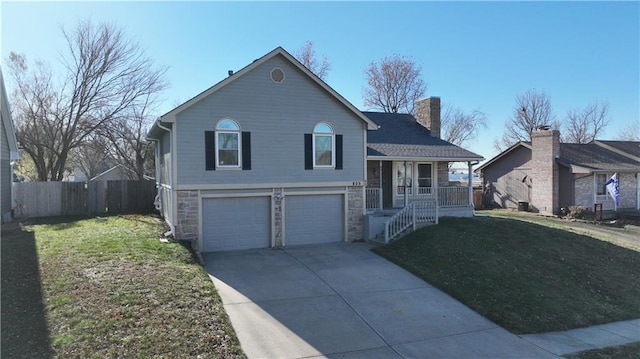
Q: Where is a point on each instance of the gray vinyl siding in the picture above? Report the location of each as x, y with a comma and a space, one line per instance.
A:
278, 116
509, 178
5, 172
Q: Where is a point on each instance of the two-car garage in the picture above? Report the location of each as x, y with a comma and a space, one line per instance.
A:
236, 223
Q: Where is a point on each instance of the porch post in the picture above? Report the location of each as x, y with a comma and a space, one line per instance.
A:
380, 179
470, 184
406, 200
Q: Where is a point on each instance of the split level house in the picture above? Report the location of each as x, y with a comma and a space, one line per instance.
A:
273, 156
8, 153
550, 176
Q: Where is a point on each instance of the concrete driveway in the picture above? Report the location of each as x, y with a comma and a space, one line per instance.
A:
343, 301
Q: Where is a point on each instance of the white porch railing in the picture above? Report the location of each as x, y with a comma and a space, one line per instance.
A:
373, 198
410, 216
453, 196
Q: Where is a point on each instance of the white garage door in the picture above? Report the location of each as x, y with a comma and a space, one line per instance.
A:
314, 219
236, 223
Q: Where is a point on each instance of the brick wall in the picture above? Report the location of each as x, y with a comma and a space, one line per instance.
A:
584, 192
428, 114
583, 187
544, 170
442, 172
628, 190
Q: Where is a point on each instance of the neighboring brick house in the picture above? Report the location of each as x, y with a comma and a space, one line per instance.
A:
549, 175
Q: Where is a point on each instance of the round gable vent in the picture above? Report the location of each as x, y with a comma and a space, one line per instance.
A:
277, 75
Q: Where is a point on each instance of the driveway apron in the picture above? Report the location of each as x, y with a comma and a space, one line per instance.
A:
343, 301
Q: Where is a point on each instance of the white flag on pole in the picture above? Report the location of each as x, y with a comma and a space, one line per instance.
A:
613, 187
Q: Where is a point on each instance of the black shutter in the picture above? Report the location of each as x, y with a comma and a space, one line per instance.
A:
210, 150
338, 152
308, 152
246, 150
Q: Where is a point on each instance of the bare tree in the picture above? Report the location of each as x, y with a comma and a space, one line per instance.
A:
630, 132
533, 109
91, 158
583, 126
106, 75
394, 85
307, 56
459, 127
129, 147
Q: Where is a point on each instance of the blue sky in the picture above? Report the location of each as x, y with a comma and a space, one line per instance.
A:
472, 54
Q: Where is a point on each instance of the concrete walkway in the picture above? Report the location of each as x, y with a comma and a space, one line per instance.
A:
343, 301
577, 340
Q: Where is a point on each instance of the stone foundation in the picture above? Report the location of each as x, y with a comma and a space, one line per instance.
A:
355, 212
188, 217
278, 225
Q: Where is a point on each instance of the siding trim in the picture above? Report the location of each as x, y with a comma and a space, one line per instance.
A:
240, 186
237, 194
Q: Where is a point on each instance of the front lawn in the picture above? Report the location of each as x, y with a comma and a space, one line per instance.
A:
526, 277
107, 288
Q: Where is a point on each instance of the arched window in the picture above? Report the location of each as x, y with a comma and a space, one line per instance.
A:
228, 144
323, 145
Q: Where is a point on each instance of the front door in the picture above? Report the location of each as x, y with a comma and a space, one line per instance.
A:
387, 184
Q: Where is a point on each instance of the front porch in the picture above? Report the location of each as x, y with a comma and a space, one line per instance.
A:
393, 185
401, 195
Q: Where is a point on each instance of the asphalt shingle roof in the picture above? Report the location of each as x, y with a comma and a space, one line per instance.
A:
595, 157
630, 147
400, 135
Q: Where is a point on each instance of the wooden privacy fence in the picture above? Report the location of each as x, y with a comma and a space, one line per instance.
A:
44, 199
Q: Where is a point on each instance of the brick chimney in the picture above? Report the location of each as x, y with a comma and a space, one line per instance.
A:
428, 114
545, 190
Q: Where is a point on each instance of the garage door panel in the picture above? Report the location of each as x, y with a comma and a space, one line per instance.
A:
312, 219
236, 223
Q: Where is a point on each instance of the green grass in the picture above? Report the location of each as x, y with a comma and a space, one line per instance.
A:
110, 288
526, 277
629, 351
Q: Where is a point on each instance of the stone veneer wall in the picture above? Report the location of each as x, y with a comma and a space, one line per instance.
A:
545, 191
355, 212
277, 215
188, 217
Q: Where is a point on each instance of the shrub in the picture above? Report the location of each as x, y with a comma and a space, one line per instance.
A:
578, 212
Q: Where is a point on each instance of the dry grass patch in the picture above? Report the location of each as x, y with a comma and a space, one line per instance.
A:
111, 289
